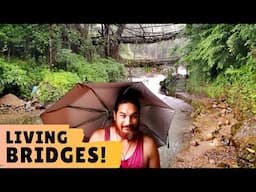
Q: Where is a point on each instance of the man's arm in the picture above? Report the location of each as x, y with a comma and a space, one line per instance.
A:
151, 153
98, 135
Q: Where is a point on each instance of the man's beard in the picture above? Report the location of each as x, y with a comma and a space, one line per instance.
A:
131, 134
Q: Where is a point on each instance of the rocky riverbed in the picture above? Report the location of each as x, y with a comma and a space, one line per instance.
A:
217, 138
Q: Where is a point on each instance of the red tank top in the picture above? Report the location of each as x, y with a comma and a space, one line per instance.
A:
136, 159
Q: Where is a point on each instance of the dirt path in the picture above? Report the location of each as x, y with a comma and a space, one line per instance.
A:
210, 144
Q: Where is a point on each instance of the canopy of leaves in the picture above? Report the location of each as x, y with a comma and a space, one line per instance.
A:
222, 58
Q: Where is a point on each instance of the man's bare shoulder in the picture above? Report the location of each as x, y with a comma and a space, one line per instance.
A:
148, 141
98, 135
151, 152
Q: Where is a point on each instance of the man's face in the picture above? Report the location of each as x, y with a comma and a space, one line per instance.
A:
127, 120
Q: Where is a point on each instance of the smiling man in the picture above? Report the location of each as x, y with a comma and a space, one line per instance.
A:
139, 150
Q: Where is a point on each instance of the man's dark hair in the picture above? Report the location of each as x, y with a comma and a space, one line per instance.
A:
129, 95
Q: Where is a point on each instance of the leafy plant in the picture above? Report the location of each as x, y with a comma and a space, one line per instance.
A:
54, 86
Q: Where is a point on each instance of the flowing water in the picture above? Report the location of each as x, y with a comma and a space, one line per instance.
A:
23, 118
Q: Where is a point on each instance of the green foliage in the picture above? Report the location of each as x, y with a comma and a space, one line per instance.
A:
197, 106
98, 70
93, 73
70, 33
115, 71
13, 79
148, 69
39, 35
12, 34
207, 52
125, 51
36, 72
238, 86
68, 61
54, 86
88, 49
88, 72
214, 48
27, 47
247, 33
24, 40
169, 84
221, 64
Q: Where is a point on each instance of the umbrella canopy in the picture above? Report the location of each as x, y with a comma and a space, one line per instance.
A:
90, 106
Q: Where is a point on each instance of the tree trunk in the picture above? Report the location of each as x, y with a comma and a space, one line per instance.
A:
106, 39
9, 54
114, 42
52, 48
86, 50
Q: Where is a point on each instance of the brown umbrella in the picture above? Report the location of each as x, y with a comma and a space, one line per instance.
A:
90, 106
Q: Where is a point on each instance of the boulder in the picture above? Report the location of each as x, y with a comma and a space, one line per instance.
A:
11, 100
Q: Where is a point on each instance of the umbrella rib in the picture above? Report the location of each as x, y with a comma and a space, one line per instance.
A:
90, 120
86, 109
98, 97
154, 134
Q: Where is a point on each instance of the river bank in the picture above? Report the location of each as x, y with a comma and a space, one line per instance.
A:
217, 139
31, 117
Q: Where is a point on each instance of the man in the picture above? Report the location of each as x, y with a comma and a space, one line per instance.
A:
139, 150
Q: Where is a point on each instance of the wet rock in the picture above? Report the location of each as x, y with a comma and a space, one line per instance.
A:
216, 142
227, 122
219, 124
194, 143
216, 132
246, 157
225, 140
211, 161
250, 150
209, 137
223, 112
235, 127
214, 106
222, 105
223, 165
28, 106
195, 129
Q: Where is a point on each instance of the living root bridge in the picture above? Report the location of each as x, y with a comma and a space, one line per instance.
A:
149, 62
